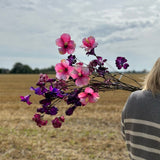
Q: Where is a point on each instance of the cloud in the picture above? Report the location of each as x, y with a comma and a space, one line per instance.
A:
30, 28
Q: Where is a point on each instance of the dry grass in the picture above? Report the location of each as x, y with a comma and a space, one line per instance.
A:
92, 133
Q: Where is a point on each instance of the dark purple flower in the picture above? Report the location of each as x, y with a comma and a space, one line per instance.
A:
70, 110
71, 59
53, 110
102, 71
101, 61
51, 80
121, 62
91, 52
57, 93
54, 93
26, 99
73, 98
45, 102
41, 110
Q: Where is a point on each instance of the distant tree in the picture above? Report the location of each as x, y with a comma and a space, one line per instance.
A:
50, 70
20, 68
36, 70
4, 70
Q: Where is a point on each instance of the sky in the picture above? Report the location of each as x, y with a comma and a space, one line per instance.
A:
127, 28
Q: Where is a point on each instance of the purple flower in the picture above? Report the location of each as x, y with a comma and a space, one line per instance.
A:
102, 71
73, 98
53, 110
101, 61
41, 110
70, 110
121, 62
91, 52
54, 93
26, 99
37, 90
45, 102
57, 93
71, 59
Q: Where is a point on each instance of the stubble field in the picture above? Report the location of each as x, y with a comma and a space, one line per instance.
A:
93, 132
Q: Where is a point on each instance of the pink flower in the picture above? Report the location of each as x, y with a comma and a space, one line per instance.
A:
88, 96
63, 69
81, 74
89, 43
66, 44
43, 78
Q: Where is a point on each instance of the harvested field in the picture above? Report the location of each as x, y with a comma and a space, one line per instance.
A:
92, 133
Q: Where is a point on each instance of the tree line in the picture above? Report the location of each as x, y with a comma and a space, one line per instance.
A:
19, 68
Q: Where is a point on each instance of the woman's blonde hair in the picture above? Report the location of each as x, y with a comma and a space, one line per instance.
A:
152, 80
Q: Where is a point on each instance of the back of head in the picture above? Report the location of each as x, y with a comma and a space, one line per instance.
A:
152, 81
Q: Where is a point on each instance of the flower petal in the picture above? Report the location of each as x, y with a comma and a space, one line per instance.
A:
89, 90
82, 81
65, 37
82, 95
62, 50
59, 42
84, 101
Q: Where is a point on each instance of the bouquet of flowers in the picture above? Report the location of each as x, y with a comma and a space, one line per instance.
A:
76, 83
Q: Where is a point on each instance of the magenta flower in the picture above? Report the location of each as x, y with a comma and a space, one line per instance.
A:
63, 70
89, 43
38, 119
26, 99
88, 96
66, 44
57, 122
81, 74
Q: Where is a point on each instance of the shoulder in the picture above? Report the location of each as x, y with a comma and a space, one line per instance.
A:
140, 94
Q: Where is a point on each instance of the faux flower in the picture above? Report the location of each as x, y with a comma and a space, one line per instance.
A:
66, 44
37, 90
121, 62
89, 43
43, 78
57, 122
72, 59
45, 102
63, 70
61, 84
38, 119
73, 98
81, 74
52, 111
26, 99
88, 96
70, 110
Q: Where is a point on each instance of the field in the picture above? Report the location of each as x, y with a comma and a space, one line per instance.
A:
93, 132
